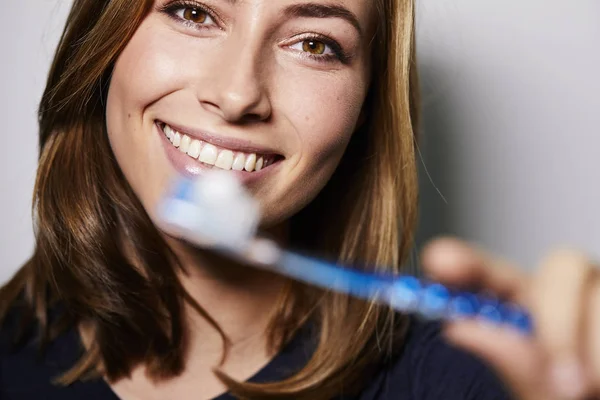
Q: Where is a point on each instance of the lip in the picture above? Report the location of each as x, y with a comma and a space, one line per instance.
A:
187, 166
244, 146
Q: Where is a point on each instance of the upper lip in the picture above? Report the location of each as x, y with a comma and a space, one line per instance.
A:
241, 145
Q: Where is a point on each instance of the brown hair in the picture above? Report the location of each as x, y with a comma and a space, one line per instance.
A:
83, 206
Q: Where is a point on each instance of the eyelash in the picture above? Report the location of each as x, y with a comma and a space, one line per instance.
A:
337, 51
171, 9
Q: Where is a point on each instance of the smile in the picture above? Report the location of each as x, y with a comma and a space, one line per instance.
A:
217, 156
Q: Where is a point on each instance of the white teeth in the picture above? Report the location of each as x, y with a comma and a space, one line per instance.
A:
208, 155
169, 132
176, 139
250, 163
185, 143
194, 150
259, 164
225, 160
239, 162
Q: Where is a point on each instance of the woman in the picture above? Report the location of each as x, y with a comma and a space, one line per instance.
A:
313, 105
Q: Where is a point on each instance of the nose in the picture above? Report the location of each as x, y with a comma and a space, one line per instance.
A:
236, 89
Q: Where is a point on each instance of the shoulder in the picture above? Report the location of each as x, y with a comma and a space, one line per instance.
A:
10, 328
27, 373
428, 368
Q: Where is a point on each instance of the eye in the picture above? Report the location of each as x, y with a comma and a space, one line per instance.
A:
190, 13
314, 47
195, 15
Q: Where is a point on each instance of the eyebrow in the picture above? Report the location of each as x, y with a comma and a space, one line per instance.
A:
315, 10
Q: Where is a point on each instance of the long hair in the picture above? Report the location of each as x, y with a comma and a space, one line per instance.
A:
83, 209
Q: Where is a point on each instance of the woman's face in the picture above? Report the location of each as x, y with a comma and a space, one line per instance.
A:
268, 90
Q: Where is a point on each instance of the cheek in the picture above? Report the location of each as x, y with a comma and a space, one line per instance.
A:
147, 69
143, 73
324, 111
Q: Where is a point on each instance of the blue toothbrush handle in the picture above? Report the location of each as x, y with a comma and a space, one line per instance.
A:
435, 301
405, 293
185, 211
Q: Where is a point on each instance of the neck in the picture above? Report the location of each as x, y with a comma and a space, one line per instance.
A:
239, 298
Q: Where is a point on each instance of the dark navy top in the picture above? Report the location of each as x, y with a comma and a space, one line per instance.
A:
427, 368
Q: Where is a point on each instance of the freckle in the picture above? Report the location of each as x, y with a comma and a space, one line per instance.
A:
128, 115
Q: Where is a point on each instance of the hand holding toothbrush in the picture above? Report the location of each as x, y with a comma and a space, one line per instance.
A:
561, 360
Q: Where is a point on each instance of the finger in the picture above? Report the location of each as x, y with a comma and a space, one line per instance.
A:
593, 335
454, 262
514, 357
559, 290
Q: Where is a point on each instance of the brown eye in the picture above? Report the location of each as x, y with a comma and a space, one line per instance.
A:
314, 46
195, 15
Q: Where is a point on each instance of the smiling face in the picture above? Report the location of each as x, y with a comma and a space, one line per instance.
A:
270, 90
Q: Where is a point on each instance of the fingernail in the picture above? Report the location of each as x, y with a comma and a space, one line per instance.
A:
566, 377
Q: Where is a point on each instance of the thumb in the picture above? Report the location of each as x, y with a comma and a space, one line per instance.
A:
513, 356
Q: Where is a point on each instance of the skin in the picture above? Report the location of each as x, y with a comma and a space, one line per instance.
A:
235, 80
244, 74
247, 78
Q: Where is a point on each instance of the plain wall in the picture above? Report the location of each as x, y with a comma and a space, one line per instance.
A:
511, 132
30, 31
510, 137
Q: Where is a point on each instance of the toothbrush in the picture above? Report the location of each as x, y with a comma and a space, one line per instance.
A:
214, 211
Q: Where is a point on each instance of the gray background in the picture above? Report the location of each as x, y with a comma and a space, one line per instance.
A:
510, 136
